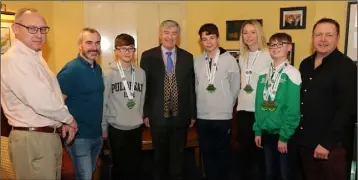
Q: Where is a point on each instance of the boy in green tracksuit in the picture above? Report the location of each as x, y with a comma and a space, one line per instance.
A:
277, 112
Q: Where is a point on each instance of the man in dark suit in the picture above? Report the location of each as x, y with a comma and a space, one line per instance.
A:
170, 105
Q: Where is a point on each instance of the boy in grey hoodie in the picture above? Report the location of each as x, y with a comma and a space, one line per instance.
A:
123, 108
217, 87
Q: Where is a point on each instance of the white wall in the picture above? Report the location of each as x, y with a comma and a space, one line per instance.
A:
139, 19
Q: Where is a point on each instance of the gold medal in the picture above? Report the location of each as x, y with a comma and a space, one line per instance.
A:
264, 105
211, 88
248, 89
130, 103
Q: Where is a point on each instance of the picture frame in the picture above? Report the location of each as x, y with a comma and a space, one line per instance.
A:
235, 53
350, 46
233, 28
291, 55
7, 36
293, 18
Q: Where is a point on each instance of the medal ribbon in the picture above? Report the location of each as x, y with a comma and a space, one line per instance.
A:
210, 72
121, 72
271, 84
248, 72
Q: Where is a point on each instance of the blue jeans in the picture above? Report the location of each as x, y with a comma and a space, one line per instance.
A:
84, 154
279, 166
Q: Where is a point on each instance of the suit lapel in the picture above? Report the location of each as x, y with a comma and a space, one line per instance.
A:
180, 69
159, 55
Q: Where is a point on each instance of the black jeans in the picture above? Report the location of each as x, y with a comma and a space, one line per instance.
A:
251, 158
126, 150
168, 145
214, 143
279, 166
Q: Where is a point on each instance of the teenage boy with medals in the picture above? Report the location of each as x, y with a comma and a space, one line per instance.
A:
125, 86
277, 112
217, 86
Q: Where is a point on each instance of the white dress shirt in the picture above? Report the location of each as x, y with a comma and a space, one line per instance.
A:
246, 102
30, 93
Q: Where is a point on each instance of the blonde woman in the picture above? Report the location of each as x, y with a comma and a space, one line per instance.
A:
254, 59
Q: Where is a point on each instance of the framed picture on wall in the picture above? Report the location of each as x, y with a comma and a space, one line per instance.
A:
233, 29
351, 32
293, 18
235, 53
291, 55
7, 36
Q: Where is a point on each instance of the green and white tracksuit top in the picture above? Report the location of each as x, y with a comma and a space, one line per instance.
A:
285, 118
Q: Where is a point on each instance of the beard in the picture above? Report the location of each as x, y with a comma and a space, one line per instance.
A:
87, 54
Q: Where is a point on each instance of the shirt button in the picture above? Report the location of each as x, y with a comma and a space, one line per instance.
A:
301, 102
310, 78
305, 90
301, 127
301, 115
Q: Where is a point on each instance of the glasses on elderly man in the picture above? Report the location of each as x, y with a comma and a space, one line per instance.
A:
277, 45
34, 30
124, 49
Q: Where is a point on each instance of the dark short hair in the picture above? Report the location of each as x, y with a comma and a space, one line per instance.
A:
124, 40
327, 20
209, 29
281, 37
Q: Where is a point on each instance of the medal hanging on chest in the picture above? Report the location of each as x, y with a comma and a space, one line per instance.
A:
248, 88
130, 92
210, 71
271, 87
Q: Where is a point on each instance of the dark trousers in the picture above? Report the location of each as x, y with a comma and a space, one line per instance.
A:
332, 169
251, 158
279, 166
214, 143
126, 149
168, 145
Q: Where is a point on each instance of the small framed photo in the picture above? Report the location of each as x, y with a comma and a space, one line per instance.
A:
235, 53
233, 29
291, 55
293, 18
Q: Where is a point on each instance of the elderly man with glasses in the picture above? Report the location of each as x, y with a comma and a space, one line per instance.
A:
33, 103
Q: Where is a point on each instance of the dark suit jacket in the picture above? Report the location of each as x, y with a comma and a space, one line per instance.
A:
153, 64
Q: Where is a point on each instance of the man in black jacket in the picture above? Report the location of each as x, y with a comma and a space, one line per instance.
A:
170, 105
328, 101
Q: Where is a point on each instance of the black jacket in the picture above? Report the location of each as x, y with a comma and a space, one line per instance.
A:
153, 64
328, 101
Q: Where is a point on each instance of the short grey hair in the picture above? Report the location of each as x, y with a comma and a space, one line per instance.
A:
22, 11
170, 24
87, 29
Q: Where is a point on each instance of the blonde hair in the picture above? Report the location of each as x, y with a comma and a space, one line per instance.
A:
244, 49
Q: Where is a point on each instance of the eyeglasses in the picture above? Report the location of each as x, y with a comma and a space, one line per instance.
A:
33, 29
277, 45
124, 49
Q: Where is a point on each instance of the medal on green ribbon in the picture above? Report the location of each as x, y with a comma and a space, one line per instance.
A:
130, 103
211, 88
248, 89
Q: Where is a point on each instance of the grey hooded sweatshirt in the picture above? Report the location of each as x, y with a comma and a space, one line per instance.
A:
219, 104
115, 110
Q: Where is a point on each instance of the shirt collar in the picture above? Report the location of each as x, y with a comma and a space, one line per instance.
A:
165, 50
85, 62
26, 49
330, 56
